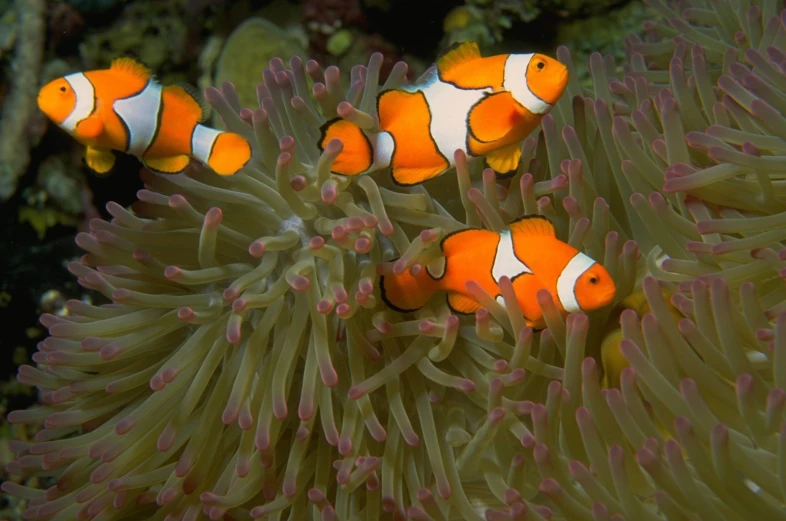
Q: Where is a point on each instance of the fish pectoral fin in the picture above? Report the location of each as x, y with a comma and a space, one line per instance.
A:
89, 128
505, 160
167, 165
457, 55
406, 176
462, 304
491, 118
100, 160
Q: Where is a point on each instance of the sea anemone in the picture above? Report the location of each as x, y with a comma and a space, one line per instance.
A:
246, 367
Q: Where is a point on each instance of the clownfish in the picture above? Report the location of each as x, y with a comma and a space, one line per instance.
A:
482, 106
527, 252
124, 108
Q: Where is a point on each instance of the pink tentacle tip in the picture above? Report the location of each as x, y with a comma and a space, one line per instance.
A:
427, 327
354, 224
366, 286
500, 366
340, 295
185, 314
415, 269
257, 248
363, 245
300, 283
465, 385
173, 272
329, 193
338, 233
231, 294
345, 109
297, 183
234, 335
316, 243
343, 310
324, 306
286, 144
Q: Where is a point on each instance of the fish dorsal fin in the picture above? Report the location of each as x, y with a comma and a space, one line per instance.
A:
191, 95
533, 226
132, 66
456, 55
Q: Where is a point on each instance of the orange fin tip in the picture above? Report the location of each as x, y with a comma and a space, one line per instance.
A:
132, 66
191, 95
230, 153
89, 128
533, 225
357, 155
407, 176
456, 55
462, 304
491, 118
505, 160
99, 160
167, 165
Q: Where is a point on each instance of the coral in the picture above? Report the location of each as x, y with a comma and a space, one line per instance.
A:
603, 33
485, 21
63, 22
154, 32
19, 105
246, 368
93, 6
256, 41
323, 18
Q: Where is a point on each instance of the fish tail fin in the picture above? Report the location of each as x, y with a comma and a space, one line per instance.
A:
230, 153
357, 155
406, 292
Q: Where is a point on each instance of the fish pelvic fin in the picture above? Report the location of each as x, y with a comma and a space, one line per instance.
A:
99, 160
405, 292
505, 160
357, 156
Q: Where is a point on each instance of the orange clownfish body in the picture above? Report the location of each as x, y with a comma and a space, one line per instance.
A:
482, 106
528, 253
123, 108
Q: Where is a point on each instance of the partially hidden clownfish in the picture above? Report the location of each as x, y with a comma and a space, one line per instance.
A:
124, 108
482, 106
527, 252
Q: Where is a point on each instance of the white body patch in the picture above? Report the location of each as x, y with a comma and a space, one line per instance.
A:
515, 81
505, 261
449, 107
85, 104
202, 140
566, 283
382, 144
140, 115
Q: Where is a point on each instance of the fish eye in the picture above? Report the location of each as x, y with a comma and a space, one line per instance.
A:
540, 66
63, 88
593, 279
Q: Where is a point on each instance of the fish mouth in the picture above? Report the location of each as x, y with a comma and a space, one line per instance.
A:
608, 297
